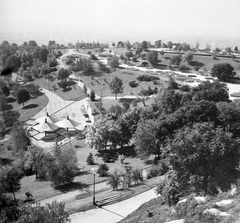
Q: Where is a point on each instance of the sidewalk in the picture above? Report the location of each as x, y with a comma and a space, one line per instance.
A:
114, 212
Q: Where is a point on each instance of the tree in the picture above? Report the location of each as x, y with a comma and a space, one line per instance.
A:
152, 57
172, 84
10, 117
113, 62
129, 54
90, 159
176, 60
44, 54
204, 159
116, 86
120, 44
22, 96
145, 139
63, 74
6, 91
53, 212
162, 52
158, 43
3, 103
20, 142
188, 56
128, 45
170, 44
92, 95
236, 49
13, 62
64, 166
223, 71
114, 180
10, 179
215, 91
144, 45
103, 170
32, 44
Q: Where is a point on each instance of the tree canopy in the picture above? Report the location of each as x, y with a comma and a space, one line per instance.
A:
22, 96
198, 156
116, 86
152, 57
223, 71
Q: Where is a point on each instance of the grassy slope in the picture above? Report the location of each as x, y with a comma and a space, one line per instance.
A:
162, 212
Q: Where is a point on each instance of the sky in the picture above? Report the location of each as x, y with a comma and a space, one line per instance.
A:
133, 19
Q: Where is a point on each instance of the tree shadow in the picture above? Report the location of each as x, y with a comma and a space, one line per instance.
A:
167, 58
196, 63
67, 89
72, 186
5, 161
11, 100
71, 83
30, 106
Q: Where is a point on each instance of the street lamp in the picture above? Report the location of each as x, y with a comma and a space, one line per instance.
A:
101, 91
94, 170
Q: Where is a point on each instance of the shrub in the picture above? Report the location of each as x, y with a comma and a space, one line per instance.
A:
172, 84
92, 95
90, 159
183, 67
148, 92
134, 59
133, 83
136, 176
106, 158
114, 180
145, 77
196, 68
157, 170
185, 88
103, 170
93, 57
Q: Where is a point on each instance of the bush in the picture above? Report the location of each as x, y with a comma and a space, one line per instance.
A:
92, 95
148, 92
185, 88
134, 59
157, 170
93, 57
106, 158
183, 67
196, 68
133, 83
145, 77
103, 170
90, 159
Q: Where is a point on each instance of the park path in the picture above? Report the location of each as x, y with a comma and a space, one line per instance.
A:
114, 212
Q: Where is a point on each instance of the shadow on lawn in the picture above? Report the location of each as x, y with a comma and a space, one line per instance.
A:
127, 151
72, 186
196, 63
11, 100
30, 106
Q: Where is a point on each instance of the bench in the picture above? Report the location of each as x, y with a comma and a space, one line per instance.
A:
107, 200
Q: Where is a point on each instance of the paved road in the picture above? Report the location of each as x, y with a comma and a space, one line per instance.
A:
114, 212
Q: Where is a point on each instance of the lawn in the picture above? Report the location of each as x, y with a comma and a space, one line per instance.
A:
73, 92
126, 76
43, 189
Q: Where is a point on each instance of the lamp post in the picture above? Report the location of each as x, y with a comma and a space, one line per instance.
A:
101, 92
94, 170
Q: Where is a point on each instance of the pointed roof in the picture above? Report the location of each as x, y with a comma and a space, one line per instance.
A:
67, 123
46, 127
48, 118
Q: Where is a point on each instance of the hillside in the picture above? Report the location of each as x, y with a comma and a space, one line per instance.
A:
190, 211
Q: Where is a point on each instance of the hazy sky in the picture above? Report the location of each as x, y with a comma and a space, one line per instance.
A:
123, 17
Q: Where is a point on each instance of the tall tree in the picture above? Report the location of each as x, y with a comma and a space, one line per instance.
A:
204, 159
223, 71
176, 60
116, 86
152, 57
188, 56
10, 179
63, 74
22, 96
113, 62
144, 45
